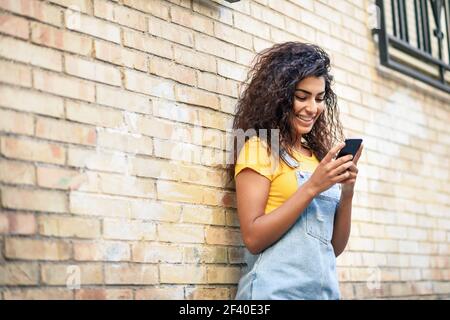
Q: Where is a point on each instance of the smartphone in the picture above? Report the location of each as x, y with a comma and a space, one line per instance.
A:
351, 147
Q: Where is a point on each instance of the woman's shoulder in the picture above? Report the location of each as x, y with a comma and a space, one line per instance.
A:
254, 154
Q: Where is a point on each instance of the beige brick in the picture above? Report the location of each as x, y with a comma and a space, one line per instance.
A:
31, 101
215, 47
79, 5
25, 52
63, 86
252, 26
99, 116
188, 19
207, 81
57, 178
230, 34
357, 243
101, 250
131, 274
17, 223
397, 260
126, 186
16, 172
173, 111
194, 59
197, 97
170, 31
154, 210
226, 236
227, 87
131, 143
59, 39
232, 217
120, 56
92, 26
172, 191
34, 9
155, 253
231, 70
122, 99
19, 274
99, 205
31, 249
92, 70
161, 293
178, 274
155, 127
120, 15
236, 255
167, 69
180, 233
177, 151
215, 11
244, 56
205, 254
386, 245
152, 168
104, 294
157, 8
214, 119
59, 226
151, 85
203, 215
14, 73
65, 131
97, 160
228, 105
37, 200
156, 46
4, 224
38, 294
207, 293
265, 14
58, 274
223, 274
14, 26
123, 229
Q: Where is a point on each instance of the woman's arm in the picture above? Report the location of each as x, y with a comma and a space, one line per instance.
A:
260, 230
343, 220
342, 223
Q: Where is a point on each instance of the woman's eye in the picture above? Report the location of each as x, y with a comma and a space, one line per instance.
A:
304, 98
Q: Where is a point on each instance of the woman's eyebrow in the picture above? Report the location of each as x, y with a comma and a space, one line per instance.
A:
308, 91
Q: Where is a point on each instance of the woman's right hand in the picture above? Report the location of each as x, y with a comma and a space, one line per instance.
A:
330, 171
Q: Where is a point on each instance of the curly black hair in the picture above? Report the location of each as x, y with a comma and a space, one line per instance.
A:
268, 98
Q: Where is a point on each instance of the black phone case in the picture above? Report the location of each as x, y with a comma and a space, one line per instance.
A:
351, 147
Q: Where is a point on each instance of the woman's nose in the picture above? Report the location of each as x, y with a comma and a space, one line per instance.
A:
311, 107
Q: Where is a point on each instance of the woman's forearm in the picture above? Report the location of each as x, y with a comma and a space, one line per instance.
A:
342, 223
268, 228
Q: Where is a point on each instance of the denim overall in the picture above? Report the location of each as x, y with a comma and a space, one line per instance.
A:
301, 264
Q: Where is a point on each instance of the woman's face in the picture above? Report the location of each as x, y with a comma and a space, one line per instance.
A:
308, 103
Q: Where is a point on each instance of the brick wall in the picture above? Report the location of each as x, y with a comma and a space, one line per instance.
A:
113, 119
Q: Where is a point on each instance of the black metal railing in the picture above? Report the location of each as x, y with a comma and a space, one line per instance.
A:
418, 30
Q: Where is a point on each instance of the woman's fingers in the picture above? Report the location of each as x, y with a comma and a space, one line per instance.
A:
330, 155
358, 154
342, 167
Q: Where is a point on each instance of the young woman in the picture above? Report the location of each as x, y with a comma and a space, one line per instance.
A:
294, 199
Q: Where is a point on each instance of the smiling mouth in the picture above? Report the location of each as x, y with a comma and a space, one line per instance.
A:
307, 120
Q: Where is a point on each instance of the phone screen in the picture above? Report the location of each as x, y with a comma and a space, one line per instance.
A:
351, 147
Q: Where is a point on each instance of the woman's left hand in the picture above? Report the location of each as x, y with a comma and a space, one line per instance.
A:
348, 184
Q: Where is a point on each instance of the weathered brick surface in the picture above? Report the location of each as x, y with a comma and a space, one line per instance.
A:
113, 115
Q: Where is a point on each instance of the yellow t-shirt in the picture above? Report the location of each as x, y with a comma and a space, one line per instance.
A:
282, 177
